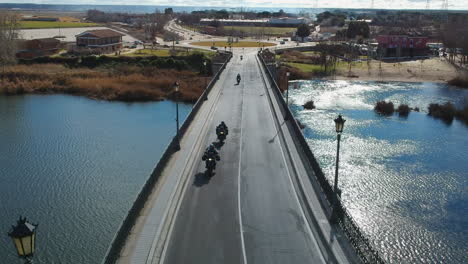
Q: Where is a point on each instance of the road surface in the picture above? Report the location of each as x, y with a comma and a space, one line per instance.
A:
250, 211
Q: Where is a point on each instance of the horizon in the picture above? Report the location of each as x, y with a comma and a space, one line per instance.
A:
278, 4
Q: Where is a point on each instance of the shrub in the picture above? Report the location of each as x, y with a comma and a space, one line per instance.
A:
446, 111
459, 81
384, 108
309, 105
403, 110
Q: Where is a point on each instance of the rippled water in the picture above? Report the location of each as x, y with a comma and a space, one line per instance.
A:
75, 166
404, 180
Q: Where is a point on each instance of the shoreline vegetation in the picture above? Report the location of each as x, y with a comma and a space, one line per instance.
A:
122, 83
127, 79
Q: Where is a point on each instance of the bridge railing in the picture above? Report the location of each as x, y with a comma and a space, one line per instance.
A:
126, 226
356, 237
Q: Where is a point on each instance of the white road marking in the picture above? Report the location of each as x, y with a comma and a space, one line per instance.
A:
244, 255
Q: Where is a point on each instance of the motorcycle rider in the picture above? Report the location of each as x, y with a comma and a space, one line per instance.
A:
222, 127
238, 78
211, 152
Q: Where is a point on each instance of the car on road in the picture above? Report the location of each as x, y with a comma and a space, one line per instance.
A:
214, 48
282, 42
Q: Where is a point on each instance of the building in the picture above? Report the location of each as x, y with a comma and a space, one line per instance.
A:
286, 22
30, 49
402, 46
272, 22
99, 41
234, 22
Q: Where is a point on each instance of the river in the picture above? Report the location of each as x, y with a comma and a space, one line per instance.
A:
404, 180
74, 166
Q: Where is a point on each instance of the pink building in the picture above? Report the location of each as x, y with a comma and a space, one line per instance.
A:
402, 46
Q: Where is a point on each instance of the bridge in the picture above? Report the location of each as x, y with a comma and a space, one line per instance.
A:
263, 205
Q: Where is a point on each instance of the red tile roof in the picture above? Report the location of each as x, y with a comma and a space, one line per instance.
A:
102, 33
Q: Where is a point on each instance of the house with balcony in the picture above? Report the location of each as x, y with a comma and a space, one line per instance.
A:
99, 41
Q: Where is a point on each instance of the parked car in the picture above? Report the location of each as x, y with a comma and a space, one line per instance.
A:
282, 42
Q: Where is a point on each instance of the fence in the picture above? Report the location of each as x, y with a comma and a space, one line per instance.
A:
126, 226
359, 242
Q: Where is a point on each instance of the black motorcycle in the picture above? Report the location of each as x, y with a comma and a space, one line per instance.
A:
221, 135
210, 163
238, 79
210, 166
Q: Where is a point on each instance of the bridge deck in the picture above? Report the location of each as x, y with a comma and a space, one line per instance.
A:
251, 211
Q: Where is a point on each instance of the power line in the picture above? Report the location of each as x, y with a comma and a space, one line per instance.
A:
428, 4
445, 4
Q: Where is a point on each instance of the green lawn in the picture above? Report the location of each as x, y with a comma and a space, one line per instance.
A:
273, 31
48, 24
306, 67
240, 44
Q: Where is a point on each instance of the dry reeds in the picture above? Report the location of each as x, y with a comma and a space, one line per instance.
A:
123, 83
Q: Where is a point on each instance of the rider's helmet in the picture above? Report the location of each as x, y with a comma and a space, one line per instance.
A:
211, 148
222, 123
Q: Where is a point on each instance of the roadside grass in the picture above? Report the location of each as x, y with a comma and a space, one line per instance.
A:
168, 53
49, 24
274, 31
240, 44
306, 67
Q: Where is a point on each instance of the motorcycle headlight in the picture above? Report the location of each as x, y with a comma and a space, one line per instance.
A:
222, 133
210, 159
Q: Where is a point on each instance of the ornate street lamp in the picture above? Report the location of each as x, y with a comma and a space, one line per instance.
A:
206, 84
24, 239
339, 125
176, 90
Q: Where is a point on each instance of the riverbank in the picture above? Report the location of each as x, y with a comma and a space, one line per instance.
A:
431, 70
126, 83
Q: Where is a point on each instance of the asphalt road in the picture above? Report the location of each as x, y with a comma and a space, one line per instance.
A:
248, 212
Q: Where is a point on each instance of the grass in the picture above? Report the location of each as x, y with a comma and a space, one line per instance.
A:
167, 52
121, 83
272, 31
306, 67
50, 24
240, 44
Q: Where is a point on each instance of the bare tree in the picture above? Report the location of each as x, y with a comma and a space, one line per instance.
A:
8, 38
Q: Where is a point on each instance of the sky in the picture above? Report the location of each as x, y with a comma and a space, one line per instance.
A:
381, 4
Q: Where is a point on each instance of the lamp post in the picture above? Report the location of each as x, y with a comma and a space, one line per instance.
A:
339, 125
24, 239
176, 90
206, 82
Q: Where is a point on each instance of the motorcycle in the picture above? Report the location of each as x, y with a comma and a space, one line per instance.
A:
221, 136
238, 79
241, 57
210, 159
210, 166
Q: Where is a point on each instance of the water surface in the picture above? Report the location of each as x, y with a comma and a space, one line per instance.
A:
404, 180
74, 166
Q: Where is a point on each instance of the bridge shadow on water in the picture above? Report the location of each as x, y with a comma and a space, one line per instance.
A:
201, 179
